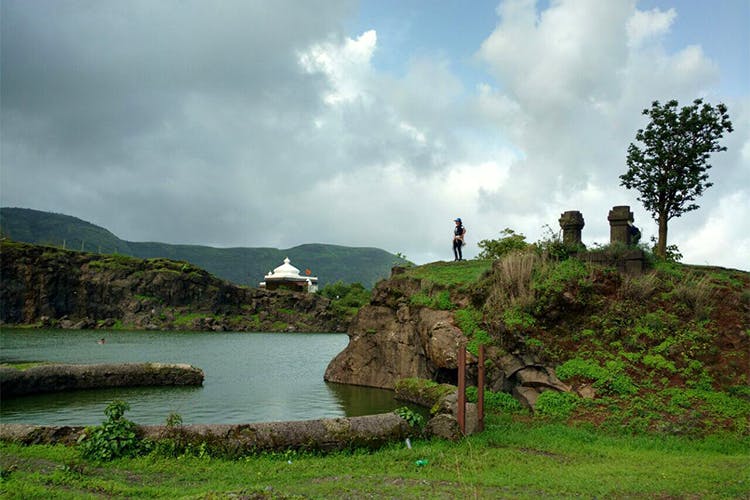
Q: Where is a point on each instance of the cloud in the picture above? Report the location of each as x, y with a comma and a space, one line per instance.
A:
267, 124
646, 25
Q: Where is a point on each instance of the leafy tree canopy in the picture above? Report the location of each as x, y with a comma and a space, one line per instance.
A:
669, 165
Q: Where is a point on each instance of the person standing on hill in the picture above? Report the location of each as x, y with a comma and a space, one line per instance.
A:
458, 239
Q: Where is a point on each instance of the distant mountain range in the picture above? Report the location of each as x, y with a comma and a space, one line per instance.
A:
244, 266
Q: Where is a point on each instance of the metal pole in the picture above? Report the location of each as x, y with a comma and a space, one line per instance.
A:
461, 410
480, 391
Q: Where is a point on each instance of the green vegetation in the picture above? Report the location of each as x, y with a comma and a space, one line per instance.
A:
500, 402
448, 273
440, 300
468, 321
114, 438
24, 365
558, 405
427, 391
511, 459
510, 242
414, 419
669, 163
637, 345
346, 299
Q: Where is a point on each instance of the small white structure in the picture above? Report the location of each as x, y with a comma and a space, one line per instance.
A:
287, 276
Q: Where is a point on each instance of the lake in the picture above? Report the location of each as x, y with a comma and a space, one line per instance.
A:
249, 377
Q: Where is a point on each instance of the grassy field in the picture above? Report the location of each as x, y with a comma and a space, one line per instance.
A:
511, 459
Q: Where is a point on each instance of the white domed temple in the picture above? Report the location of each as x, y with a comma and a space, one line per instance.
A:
287, 276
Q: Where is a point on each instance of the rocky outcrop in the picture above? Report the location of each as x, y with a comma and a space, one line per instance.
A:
387, 344
62, 377
54, 288
392, 339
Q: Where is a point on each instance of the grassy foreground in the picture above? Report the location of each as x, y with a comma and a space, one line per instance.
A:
511, 459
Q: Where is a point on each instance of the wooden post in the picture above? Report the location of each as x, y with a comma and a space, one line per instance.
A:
461, 410
480, 391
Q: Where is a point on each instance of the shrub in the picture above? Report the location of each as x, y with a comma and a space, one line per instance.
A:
551, 246
115, 438
611, 378
509, 243
495, 401
413, 418
556, 404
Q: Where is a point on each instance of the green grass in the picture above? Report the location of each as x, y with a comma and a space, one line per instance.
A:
450, 273
24, 365
511, 459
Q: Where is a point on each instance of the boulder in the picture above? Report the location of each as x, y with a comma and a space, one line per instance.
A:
387, 344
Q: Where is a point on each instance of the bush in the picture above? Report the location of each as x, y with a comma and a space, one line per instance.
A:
611, 378
413, 418
352, 295
556, 404
495, 401
510, 242
115, 438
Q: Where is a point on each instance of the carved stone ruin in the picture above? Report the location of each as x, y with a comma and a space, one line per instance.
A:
572, 224
630, 260
619, 217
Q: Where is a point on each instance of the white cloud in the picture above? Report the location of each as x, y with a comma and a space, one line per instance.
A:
273, 127
718, 235
347, 66
647, 25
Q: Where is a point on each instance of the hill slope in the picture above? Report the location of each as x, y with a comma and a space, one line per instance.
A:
666, 350
245, 266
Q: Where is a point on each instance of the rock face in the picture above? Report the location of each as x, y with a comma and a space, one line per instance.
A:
50, 287
391, 339
54, 378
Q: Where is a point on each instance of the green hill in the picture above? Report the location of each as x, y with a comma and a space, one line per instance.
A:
245, 266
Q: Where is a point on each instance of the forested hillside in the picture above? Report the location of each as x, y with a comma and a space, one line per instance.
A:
245, 266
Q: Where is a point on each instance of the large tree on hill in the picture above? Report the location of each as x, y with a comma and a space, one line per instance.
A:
670, 165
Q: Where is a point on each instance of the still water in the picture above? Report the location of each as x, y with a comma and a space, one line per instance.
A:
249, 377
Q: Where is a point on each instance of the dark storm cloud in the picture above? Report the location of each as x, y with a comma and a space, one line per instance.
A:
160, 104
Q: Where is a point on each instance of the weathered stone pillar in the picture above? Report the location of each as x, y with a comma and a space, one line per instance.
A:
571, 223
618, 224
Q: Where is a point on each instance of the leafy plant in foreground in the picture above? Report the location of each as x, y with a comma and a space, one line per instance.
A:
115, 438
413, 418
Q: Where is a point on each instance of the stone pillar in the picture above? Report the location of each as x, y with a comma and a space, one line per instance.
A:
618, 225
571, 223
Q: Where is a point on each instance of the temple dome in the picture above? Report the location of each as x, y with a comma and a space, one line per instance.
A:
285, 270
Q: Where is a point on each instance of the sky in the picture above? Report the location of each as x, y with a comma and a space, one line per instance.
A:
372, 124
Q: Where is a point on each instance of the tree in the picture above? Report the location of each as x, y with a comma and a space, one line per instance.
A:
510, 242
671, 169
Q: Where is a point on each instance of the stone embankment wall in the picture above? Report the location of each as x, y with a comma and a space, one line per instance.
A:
60, 377
235, 440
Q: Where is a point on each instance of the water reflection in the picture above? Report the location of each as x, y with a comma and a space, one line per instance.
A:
249, 377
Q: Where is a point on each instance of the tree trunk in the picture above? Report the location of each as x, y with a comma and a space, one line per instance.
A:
661, 245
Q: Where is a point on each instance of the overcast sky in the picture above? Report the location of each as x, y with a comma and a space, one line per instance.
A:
373, 123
